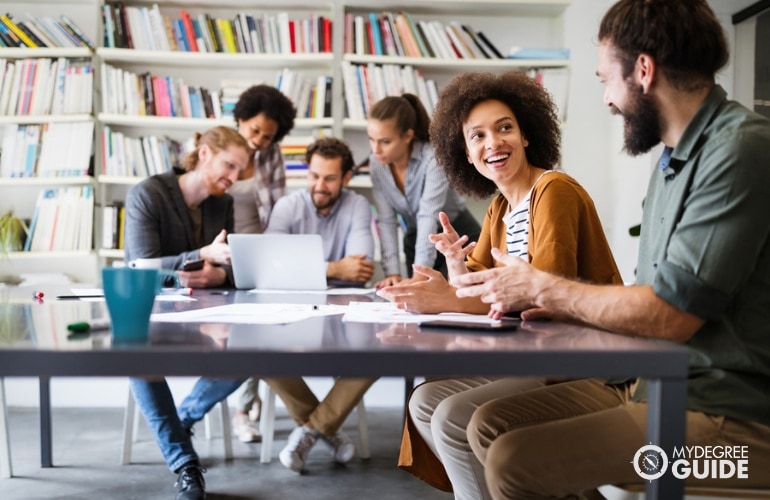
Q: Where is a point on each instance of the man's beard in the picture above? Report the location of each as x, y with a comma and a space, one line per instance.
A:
330, 201
641, 122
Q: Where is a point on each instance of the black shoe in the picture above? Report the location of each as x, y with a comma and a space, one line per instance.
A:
190, 484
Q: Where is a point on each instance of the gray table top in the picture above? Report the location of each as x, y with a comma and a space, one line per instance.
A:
34, 342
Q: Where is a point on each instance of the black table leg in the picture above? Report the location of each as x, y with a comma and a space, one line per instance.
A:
45, 422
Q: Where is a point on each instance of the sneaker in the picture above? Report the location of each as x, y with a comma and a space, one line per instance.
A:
301, 440
342, 447
256, 410
190, 484
245, 429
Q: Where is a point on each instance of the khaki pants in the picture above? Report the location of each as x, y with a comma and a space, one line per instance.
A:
328, 415
565, 440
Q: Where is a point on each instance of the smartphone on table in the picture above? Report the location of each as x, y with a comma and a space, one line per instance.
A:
193, 265
503, 326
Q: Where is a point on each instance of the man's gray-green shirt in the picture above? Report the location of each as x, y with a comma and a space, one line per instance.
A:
705, 248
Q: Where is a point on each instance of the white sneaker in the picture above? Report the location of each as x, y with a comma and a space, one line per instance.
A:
245, 429
256, 410
342, 447
301, 440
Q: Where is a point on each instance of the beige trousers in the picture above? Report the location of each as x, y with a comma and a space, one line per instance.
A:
328, 415
565, 440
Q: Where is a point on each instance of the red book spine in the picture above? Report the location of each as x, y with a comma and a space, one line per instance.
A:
370, 37
189, 31
293, 36
327, 34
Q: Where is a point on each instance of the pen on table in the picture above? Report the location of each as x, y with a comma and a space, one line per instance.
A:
177, 291
77, 297
93, 326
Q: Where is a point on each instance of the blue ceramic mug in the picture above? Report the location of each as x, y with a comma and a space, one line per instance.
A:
130, 296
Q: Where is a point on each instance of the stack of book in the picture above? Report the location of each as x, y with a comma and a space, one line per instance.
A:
231, 90
57, 149
153, 95
146, 28
364, 85
389, 34
312, 98
113, 223
62, 220
43, 86
124, 156
41, 32
294, 149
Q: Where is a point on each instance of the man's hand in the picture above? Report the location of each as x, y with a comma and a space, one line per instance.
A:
430, 293
389, 280
351, 268
218, 251
513, 287
209, 277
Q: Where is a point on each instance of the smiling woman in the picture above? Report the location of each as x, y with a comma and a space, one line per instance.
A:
494, 133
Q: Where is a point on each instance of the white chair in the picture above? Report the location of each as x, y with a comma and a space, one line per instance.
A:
131, 426
636, 492
267, 427
6, 470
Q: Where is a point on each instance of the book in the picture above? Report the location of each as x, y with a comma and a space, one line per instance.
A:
376, 38
189, 33
489, 45
32, 36
27, 41
420, 43
77, 31
10, 38
477, 44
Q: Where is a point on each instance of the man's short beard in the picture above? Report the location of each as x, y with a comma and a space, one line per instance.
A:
641, 124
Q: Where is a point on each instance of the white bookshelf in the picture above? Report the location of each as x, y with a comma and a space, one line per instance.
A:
506, 23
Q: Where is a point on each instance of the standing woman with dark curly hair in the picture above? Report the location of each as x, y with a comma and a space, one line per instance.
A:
264, 116
494, 133
406, 182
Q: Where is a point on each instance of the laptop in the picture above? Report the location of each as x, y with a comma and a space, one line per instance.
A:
278, 261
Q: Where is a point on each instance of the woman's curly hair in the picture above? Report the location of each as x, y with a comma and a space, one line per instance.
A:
530, 103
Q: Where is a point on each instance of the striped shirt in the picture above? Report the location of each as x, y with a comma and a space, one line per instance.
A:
517, 221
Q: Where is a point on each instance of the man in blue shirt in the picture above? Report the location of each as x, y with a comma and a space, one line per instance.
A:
703, 275
343, 219
340, 216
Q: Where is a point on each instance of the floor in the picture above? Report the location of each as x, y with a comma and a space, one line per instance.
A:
86, 452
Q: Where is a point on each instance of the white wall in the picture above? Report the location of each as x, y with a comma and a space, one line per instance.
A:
592, 153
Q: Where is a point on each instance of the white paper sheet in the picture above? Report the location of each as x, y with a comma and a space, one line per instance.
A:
257, 314
328, 291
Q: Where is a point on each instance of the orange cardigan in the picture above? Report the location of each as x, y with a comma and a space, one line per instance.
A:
565, 238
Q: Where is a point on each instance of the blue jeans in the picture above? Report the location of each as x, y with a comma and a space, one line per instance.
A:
171, 427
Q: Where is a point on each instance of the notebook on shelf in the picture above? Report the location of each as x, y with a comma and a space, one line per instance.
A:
278, 261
